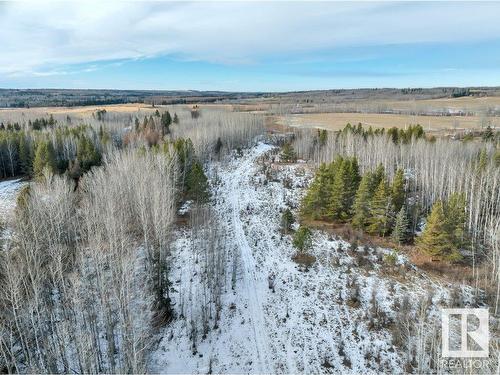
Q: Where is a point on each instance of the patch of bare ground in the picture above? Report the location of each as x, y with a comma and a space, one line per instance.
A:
304, 259
439, 270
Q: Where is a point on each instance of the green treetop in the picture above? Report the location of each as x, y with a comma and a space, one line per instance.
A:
400, 231
197, 188
436, 241
362, 202
381, 210
398, 190
302, 239
44, 158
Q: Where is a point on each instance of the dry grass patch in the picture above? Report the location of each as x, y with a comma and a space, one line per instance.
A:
304, 259
337, 121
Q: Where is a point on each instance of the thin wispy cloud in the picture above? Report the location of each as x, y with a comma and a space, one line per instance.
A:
40, 38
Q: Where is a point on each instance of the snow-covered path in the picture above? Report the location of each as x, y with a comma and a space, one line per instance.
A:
253, 282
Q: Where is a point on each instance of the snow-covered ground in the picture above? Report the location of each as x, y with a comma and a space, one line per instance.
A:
8, 195
335, 316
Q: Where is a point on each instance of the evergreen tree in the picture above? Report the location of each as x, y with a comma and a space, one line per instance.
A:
393, 133
87, 154
288, 154
302, 239
166, 121
400, 231
362, 202
377, 176
51, 121
436, 241
197, 188
25, 156
218, 146
44, 158
176, 119
351, 184
287, 220
381, 210
316, 199
398, 190
323, 137
488, 134
338, 203
185, 152
482, 162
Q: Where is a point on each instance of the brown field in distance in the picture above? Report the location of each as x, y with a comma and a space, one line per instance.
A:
466, 103
432, 124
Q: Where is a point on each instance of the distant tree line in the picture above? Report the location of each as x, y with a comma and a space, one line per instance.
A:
28, 152
397, 135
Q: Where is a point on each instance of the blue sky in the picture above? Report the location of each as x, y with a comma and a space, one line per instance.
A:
248, 46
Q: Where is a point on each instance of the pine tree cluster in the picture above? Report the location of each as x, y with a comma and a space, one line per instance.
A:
444, 234
396, 134
339, 193
372, 203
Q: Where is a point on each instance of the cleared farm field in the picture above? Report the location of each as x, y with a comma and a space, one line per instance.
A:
83, 113
337, 121
468, 104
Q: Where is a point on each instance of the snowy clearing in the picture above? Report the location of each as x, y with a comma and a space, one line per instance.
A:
281, 317
8, 194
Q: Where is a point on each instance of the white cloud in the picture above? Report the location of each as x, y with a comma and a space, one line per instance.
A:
39, 38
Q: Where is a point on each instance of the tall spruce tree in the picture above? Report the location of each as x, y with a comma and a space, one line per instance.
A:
315, 202
87, 154
288, 154
362, 202
44, 158
322, 137
287, 220
436, 240
344, 187
381, 210
352, 184
376, 177
25, 156
185, 152
400, 231
338, 198
398, 190
197, 188
302, 239
166, 121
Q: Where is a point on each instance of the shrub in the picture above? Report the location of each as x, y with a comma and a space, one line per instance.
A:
302, 239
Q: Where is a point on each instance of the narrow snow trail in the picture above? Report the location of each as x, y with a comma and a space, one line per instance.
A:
254, 283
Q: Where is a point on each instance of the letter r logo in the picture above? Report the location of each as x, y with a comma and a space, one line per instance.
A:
477, 335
